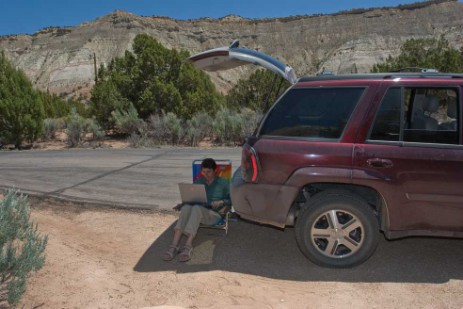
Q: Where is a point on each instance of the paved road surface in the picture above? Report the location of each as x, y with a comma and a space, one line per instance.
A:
145, 178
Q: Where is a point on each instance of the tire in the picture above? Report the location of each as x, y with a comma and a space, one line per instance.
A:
337, 230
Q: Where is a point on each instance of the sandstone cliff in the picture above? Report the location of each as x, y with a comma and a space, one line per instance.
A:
61, 59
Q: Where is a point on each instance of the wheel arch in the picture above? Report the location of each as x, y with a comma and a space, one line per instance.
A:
371, 196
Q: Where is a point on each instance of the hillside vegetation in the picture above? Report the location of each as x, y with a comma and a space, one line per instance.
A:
152, 97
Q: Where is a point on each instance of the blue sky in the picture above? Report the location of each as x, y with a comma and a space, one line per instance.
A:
29, 16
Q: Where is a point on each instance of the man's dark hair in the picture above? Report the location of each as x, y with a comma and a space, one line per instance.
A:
209, 163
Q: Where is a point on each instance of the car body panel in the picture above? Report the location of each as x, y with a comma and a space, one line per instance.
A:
280, 181
422, 185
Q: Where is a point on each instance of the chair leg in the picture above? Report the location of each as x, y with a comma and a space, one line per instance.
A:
220, 227
226, 224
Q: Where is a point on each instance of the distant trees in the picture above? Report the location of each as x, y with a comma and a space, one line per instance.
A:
425, 53
155, 80
26, 113
21, 108
257, 92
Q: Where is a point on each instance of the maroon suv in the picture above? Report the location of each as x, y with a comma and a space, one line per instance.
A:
345, 157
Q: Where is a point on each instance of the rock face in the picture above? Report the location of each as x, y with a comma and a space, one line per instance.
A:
62, 59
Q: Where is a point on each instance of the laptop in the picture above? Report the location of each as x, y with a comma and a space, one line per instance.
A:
193, 193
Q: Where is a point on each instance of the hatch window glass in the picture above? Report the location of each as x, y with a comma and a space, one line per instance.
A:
312, 112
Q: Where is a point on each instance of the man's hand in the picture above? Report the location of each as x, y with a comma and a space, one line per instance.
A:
178, 207
216, 204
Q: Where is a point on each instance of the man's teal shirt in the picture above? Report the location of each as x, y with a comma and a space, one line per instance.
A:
218, 190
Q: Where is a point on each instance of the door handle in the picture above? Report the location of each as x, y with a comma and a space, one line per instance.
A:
378, 162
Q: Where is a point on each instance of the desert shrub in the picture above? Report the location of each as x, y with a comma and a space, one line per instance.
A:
127, 121
51, 126
227, 127
76, 126
138, 140
21, 247
249, 121
156, 128
174, 128
94, 128
142, 137
197, 128
135, 140
165, 129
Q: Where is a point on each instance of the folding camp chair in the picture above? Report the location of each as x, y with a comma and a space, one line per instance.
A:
224, 170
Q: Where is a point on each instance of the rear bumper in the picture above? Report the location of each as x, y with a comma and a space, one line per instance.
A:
263, 203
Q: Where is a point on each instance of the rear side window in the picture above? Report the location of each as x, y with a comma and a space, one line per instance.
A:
312, 112
421, 115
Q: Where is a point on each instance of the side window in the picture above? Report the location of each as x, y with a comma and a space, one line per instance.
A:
422, 115
387, 124
312, 112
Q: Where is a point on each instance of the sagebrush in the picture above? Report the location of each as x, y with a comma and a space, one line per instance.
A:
21, 246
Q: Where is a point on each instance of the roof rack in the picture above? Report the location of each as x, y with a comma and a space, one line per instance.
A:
416, 69
390, 75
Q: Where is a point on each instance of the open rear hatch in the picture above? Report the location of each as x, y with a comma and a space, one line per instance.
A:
224, 58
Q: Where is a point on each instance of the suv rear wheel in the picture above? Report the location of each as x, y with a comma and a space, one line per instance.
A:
337, 230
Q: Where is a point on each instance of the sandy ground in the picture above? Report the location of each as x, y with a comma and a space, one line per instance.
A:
110, 259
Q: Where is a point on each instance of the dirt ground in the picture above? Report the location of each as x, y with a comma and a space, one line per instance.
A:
111, 259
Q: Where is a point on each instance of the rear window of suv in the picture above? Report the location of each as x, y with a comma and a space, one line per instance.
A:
312, 112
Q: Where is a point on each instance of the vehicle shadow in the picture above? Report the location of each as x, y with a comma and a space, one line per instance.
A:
273, 253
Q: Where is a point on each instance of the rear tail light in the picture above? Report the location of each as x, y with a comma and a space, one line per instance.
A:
249, 164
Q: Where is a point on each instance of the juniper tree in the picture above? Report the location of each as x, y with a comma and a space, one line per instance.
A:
430, 53
21, 109
21, 246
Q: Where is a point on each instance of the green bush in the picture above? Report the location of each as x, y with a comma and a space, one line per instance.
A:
165, 129
76, 126
21, 109
51, 126
424, 53
227, 127
155, 80
197, 128
156, 129
138, 140
174, 128
249, 121
22, 247
94, 128
127, 121
106, 99
142, 137
258, 92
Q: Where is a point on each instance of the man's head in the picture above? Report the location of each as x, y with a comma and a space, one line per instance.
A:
208, 167
209, 163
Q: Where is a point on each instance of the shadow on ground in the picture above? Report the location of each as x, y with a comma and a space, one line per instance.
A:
273, 253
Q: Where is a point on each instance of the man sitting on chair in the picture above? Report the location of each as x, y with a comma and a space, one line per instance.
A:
191, 216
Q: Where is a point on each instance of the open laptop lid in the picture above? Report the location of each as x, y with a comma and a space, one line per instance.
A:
192, 193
